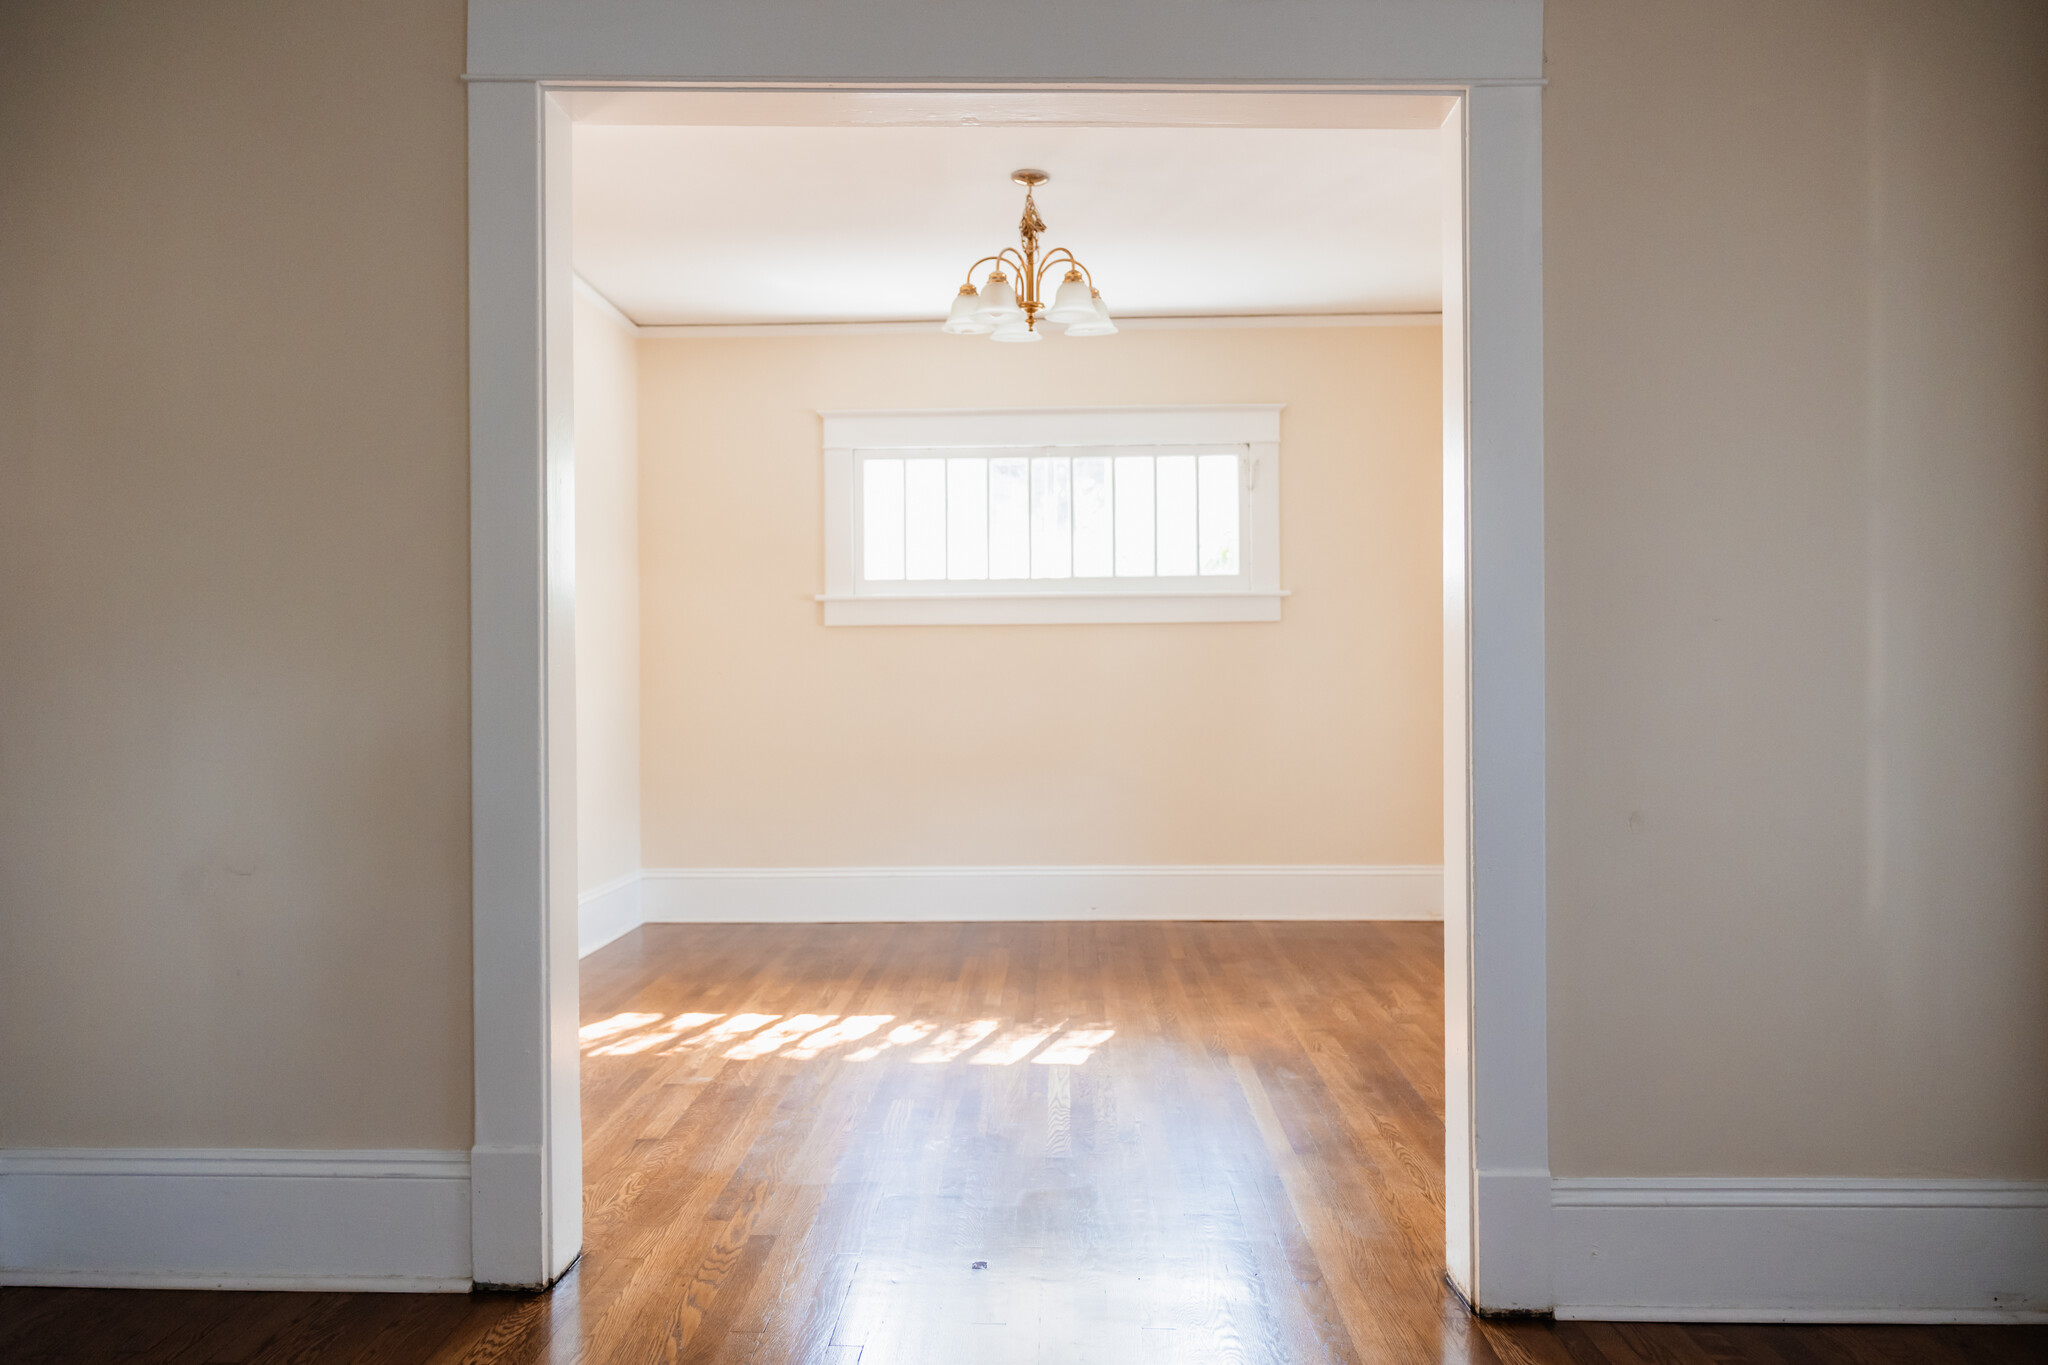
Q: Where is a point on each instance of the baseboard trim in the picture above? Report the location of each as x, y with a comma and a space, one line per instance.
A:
605, 913
184, 1218
1511, 1216
860, 895
1967, 1317
1800, 1250
294, 1284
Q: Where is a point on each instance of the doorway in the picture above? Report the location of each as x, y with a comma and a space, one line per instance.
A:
526, 1175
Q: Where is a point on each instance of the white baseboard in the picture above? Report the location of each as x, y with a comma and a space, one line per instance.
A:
605, 912
828, 895
1818, 1250
1511, 1216
235, 1219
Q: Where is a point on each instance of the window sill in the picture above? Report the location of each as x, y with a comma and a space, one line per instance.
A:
1049, 608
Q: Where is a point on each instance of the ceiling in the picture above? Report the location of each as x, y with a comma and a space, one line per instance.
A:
786, 224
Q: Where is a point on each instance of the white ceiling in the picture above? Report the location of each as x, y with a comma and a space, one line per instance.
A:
702, 224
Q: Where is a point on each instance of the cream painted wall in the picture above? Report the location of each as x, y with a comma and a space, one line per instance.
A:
1797, 519
607, 402
234, 685
771, 740
1797, 358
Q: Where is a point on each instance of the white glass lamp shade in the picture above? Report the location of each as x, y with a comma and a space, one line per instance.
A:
998, 301
961, 321
1072, 303
1098, 324
1016, 329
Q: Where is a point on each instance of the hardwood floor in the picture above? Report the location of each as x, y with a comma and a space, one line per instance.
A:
977, 1144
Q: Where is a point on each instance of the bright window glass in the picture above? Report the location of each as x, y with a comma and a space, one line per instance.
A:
1134, 516
1094, 529
1174, 478
1218, 519
881, 496
1052, 517
965, 518
924, 520
1009, 518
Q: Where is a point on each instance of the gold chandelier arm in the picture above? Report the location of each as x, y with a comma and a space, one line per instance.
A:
1060, 253
1027, 280
998, 258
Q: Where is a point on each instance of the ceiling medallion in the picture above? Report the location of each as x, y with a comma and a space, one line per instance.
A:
997, 311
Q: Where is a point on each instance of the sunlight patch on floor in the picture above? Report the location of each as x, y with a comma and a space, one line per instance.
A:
898, 1037
790, 1030
848, 1030
805, 1037
956, 1040
1014, 1045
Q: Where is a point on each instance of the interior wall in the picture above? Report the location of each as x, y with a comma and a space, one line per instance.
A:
772, 740
1797, 452
234, 683
607, 400
1794, 359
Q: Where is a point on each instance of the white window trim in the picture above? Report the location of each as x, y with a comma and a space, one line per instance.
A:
1254, 597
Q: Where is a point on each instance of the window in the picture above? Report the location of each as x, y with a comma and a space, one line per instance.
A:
1057, 514
1008, 515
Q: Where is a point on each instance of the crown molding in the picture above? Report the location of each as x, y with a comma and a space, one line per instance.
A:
612, 312
713, 331
723, 331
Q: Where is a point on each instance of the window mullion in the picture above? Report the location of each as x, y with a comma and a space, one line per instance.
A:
1246, 518
1156, 500
1073, 517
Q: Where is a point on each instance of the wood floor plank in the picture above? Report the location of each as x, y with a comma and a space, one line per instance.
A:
501, 1328
415, 1331
1074, 1143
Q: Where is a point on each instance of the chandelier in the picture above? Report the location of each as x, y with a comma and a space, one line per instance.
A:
1005, 312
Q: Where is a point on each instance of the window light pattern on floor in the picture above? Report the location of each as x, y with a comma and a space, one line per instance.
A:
802, 1037
1015, 516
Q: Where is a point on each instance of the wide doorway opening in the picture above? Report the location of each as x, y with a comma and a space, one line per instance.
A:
1011, 778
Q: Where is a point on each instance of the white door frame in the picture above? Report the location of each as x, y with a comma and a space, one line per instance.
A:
526, 1187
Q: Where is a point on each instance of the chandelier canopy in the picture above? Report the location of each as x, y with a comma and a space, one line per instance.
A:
1002, 311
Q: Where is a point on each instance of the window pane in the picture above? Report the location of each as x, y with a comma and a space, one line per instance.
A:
881, 519
1009, 518
1220, 484
924, 519
967, 518
1052, 518
1176, 516
1133, 516
1094, 540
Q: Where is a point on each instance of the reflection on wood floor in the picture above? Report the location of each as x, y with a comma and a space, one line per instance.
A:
1036, 1142
976, 1144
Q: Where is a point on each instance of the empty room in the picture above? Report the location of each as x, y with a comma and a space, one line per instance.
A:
887, 683
1012, 756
